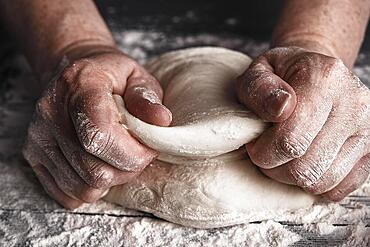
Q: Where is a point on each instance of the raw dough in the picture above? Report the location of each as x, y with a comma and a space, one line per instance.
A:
201, 178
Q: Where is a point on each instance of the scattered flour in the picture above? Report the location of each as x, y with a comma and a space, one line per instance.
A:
267, 233
359, 236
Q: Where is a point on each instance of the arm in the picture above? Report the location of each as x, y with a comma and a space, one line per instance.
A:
320, 111
48, 30
334, 28
76, 145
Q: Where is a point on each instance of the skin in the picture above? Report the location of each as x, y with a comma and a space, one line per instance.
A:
319, 139
75, 144
78, 150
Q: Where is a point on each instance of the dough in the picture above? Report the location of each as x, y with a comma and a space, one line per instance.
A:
203, 177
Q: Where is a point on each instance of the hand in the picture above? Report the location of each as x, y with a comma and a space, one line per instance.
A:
320, 136
76, 144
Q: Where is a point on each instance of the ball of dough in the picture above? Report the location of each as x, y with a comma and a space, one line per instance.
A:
203, 177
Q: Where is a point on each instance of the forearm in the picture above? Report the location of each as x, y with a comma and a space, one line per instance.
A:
48, 30
332, 27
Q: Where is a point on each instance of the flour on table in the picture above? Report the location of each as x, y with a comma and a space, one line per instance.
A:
267, 233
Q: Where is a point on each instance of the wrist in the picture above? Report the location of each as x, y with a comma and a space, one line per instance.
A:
314, 43
85, 49
74, 51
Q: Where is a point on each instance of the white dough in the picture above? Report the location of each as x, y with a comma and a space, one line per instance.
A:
201, 178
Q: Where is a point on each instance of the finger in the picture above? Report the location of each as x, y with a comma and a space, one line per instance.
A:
45, 150
96, 120
143, 99
352, 181
63, 174
69, 181
351, 152
291, 139
52, 189
94, 171
311, 171
265, 93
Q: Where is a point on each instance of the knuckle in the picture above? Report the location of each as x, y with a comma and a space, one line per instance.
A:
38, 135
34, 133
292, 146
329, 66
101, 178
332, 67
305, 176
73, 71
43, 109
95, 141
362, 113
254, 78
98, 176
69, 74
131, 63
250, 84
94, 172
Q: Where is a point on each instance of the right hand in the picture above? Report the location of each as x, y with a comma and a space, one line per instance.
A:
76, 144
320, 137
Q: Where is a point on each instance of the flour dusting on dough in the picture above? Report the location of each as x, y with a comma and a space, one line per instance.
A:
203, 177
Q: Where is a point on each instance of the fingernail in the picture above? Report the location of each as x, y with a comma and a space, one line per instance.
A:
169, 114
277, 102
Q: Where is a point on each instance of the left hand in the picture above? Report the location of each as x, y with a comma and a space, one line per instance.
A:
320, 136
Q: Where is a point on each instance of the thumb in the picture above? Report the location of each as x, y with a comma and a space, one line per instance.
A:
143, 99
265, 93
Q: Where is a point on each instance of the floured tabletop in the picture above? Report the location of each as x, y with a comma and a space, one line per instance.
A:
28, 217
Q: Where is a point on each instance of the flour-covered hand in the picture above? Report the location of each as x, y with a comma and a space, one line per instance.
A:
320, 136
76, 144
